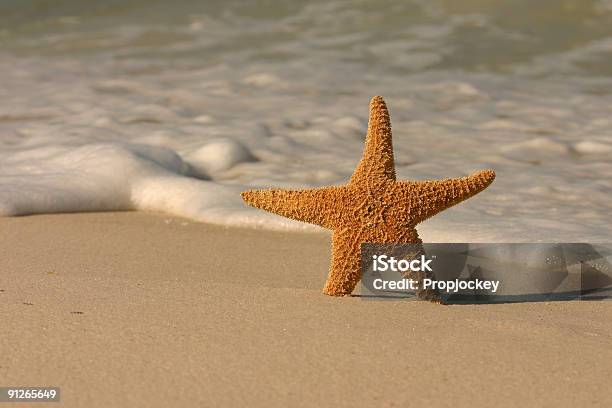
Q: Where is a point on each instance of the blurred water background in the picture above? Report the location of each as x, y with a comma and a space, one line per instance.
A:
176, 106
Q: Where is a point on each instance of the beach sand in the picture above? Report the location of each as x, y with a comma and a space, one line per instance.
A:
147, 310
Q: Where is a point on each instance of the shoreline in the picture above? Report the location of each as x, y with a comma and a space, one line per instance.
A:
140, 309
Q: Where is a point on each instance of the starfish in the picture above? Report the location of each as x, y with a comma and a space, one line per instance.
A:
372, 208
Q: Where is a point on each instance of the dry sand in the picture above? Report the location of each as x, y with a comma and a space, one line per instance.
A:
145, 310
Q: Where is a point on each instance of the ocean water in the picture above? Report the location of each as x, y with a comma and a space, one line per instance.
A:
177, 106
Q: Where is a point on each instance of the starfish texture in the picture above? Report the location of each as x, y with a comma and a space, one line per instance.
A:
372, 208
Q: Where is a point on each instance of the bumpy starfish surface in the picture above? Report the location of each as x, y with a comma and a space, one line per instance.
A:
372, 208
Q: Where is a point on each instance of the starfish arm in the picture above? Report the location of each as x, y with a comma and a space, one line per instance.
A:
430, 197
345, 268
315, 206
377, 161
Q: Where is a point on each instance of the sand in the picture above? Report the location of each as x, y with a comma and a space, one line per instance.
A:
145, 310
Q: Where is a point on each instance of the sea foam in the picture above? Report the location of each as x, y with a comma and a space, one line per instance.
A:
123, 176
178, 108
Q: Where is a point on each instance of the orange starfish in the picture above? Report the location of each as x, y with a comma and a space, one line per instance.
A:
372, 208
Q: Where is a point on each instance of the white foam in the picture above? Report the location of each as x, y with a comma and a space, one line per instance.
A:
219, 155
593, 147
185, 139
102, 177
535, 150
